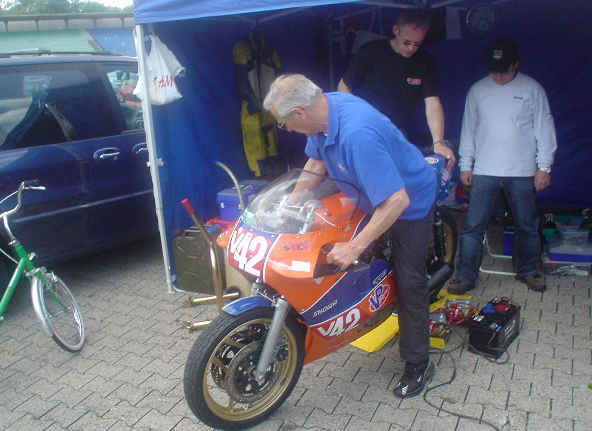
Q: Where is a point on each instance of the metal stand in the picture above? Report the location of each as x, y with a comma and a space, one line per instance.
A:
219, 297
495, 256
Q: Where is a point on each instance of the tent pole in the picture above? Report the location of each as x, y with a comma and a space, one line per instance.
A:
153, 161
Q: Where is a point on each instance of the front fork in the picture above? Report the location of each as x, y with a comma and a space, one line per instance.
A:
271, 340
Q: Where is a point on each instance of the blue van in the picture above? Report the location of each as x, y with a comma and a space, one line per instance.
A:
73, 123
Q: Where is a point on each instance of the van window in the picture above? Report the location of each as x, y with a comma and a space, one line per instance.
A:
123, 79
50, 104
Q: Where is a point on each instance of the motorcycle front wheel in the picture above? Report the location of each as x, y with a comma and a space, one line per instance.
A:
218, 381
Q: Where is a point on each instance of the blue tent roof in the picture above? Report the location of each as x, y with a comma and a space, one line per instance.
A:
150, 11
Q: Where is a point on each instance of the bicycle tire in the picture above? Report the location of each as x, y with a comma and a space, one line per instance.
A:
58, 312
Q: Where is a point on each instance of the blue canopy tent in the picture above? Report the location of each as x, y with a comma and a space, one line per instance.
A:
187, 137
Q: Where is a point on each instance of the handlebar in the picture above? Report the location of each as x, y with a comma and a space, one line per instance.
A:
25, 185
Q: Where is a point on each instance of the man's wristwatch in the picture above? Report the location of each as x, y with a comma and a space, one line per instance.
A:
545, 168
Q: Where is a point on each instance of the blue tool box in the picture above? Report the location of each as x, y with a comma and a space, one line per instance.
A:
229, 201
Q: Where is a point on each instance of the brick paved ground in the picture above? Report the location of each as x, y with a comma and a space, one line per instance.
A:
129, 374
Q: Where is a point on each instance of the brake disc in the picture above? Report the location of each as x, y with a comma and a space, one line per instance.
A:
239, 382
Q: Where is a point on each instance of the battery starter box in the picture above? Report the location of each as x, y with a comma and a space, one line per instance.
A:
494, 328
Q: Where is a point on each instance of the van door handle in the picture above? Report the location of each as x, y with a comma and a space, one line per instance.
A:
107, 154
140, 148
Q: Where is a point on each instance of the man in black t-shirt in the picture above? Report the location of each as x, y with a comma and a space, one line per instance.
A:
394, 74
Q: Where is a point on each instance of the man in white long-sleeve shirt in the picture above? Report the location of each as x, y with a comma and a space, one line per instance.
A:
507, 145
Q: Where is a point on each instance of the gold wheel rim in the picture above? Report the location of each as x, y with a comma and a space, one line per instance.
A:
227, 409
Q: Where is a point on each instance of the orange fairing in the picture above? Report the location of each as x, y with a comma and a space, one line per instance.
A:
291, 263
224, 237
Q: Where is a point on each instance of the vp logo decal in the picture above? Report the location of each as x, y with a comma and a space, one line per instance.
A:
379, 296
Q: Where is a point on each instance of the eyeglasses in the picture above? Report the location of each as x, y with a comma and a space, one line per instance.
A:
281, 126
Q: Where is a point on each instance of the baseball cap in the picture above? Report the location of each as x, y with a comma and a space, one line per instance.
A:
500, 54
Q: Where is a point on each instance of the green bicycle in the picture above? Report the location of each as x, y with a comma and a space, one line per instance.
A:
53, 302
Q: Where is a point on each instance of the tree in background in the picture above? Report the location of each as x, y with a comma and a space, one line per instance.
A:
21, 7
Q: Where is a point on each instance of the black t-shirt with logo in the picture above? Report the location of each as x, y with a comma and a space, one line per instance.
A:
390, 82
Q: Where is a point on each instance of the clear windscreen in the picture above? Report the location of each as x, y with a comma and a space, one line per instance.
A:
301, 202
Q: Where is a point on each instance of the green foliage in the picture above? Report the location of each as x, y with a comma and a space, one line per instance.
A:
21, 7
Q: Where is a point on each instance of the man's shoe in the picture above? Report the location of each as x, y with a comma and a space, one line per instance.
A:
457, 287
415, 378
534, 282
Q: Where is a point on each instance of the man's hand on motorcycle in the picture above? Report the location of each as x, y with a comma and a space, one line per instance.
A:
343, 254
447, 152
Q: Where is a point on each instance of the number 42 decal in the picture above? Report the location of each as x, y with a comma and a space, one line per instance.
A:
248, 251
337, 326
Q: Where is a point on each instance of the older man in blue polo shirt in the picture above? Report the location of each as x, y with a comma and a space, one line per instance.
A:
352, 141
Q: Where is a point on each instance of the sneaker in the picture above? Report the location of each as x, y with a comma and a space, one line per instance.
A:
534, 282
457, 287
415, 378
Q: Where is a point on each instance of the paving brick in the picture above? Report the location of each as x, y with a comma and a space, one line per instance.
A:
129, 393
532, 374
398, 416
562, 364
321, 419
348, 406
187, 424
101, 386
545, 390
433, 422
8, 416
43, 388
36, 406
69, 395
375, 378
347, 389
156, 401
28, 423
296, 415
63, 415
538, 422
345, 372
319, 399
540, 405
106, 370
358, 424
127, 413
154, 420
97, 404
90, 421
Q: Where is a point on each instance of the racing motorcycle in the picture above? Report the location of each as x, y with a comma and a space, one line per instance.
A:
245, 364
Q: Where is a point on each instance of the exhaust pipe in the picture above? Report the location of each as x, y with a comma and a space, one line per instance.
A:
438, 278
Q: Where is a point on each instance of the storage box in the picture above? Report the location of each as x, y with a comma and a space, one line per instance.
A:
554, 267
567, 252
229, 201
508, 240
573, 235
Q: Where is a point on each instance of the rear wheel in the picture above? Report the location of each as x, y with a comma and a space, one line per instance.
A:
219, 384
58, 312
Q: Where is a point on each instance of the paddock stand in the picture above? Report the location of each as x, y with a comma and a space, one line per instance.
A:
201, 266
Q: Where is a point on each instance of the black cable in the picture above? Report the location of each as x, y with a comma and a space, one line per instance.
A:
449, 381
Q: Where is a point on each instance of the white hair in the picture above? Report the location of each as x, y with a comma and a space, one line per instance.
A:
292, 91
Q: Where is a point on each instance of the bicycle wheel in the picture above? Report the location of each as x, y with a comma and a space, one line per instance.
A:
58, 312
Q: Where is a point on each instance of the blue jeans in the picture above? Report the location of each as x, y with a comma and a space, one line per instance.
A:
521, 196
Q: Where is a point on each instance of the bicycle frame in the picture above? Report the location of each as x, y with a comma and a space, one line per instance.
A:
24, 266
